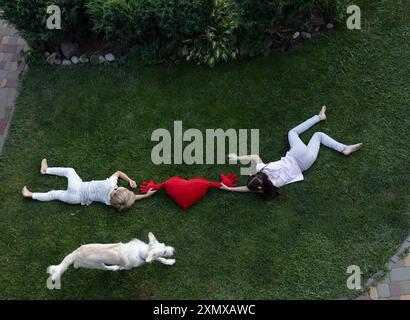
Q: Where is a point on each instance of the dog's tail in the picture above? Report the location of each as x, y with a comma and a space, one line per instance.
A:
57, 271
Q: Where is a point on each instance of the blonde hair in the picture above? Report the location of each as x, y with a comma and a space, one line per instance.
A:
122, 199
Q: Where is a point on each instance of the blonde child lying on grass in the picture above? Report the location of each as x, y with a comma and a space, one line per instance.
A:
84, 193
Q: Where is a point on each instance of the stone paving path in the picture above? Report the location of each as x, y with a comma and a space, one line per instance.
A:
396, 284
11, 65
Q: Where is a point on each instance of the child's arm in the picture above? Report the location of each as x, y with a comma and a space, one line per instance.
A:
236, 189
252, 157
149, 193
124, 177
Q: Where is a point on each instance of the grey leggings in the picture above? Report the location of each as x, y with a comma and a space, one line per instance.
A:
307, 154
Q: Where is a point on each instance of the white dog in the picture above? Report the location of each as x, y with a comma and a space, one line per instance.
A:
114, 256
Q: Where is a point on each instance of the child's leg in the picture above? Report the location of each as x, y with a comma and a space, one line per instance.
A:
71, 195
61, 195
293, 135
314, 146
322, 138
72, 177
297, 147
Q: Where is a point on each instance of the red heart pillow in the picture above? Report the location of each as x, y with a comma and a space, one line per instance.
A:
186, 193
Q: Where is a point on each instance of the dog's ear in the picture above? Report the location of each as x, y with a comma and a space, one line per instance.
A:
150, 257
151, 238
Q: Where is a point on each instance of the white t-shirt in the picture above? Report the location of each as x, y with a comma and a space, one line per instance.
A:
282, 172
98, 191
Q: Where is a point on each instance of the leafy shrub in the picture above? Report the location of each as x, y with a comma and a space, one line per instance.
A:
218, 42
121, 19
181, 18
133, 20
265, 15
30, 18
201, 31
258, 20
154, 29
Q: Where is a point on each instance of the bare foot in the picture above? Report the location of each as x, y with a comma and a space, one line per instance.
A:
350, 149
322, 113
26, 193
44, 166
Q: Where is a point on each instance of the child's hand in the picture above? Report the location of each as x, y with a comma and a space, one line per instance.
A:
150, 192
233, 156
133, 184
224, 187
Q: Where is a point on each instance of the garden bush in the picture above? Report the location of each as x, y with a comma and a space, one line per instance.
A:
143, 20
155, 29
258, 20
201, 31
30, 18
218, 43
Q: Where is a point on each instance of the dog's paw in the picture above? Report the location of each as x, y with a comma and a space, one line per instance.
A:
51, 270
171, 262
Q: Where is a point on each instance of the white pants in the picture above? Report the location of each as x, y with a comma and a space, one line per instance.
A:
71, 195
307, 154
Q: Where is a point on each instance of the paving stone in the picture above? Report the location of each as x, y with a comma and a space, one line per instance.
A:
405, 245
14, 66
3, 97
405, 297
11, 83
395, 289
4, 31
3, 111
392, 265
363, 297
373, 293
11, 43
385, 280
12, 40
400, 274
20, 40
8, 48
12, 30
3, 126
13, 75
394, 298
404, 287
4, 40
11, 96
383, 291
7, 57
16, 57
20, 48
407, 261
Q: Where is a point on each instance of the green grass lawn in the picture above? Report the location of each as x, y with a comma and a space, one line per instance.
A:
100, 119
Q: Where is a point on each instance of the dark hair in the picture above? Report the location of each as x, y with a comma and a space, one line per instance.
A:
261, 182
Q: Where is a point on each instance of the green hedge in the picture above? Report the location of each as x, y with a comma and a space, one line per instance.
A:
262, 15
202, 31
30, 18
132, 20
